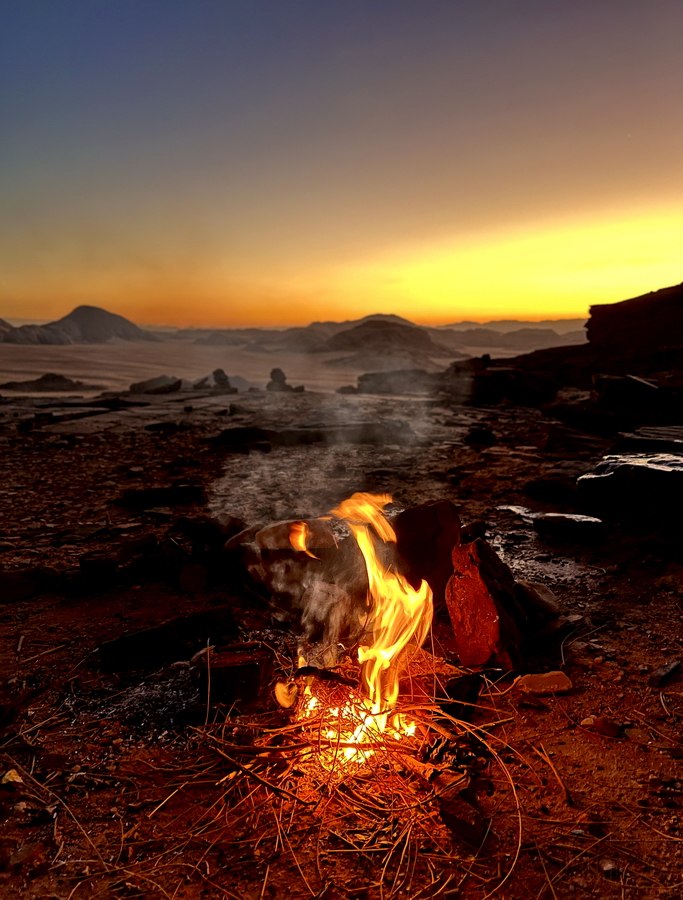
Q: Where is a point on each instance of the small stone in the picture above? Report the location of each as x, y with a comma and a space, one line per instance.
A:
610, 869
545, 683
602, 725
664, 673
11, 776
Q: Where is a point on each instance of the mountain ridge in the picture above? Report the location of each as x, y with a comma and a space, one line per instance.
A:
83, 325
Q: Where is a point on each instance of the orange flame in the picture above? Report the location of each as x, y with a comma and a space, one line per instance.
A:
298, 538
399, 615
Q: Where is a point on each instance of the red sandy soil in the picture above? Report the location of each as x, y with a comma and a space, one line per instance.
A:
109, 792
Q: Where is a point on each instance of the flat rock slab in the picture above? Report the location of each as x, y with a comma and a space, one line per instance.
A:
568, 527
667, 439
635, 484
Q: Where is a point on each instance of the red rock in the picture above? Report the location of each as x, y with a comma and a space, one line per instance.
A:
481, 598
545, 683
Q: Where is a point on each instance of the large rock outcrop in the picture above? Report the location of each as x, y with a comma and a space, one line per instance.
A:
642, 324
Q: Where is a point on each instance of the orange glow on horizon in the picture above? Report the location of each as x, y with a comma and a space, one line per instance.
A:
550, 270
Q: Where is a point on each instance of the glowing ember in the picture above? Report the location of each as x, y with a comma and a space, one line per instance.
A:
399, 615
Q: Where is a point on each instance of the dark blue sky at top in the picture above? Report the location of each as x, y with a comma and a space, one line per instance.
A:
329, 126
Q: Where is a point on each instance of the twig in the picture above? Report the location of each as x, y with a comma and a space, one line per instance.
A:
568, 799
44, 653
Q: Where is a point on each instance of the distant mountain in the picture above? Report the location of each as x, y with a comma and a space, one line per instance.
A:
371, 334
382, 335
522, 339
380, 344
85, 325
300, 339
330, 328
560, 326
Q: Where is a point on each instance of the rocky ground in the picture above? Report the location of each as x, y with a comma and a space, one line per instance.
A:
113, 520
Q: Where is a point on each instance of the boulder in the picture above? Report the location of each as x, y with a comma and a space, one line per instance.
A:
425, 538
217, 381
634, 486
650, 321
481, 598
278, 383
162, 384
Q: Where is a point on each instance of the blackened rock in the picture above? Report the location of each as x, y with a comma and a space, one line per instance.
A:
242, 439
278, 382
568, 527
425, 538
166, 426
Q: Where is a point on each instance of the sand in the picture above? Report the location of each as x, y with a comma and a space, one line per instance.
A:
114, 366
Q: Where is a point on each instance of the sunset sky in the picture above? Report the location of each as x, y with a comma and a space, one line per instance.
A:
237, 162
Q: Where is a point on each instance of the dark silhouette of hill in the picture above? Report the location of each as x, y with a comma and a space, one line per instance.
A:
631, 340
84, 325
651, 320
300, 339
521, 339
318, 337
381, 335
560, 326
330, 328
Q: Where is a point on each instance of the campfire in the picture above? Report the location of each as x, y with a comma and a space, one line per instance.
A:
381, 746
398, 616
